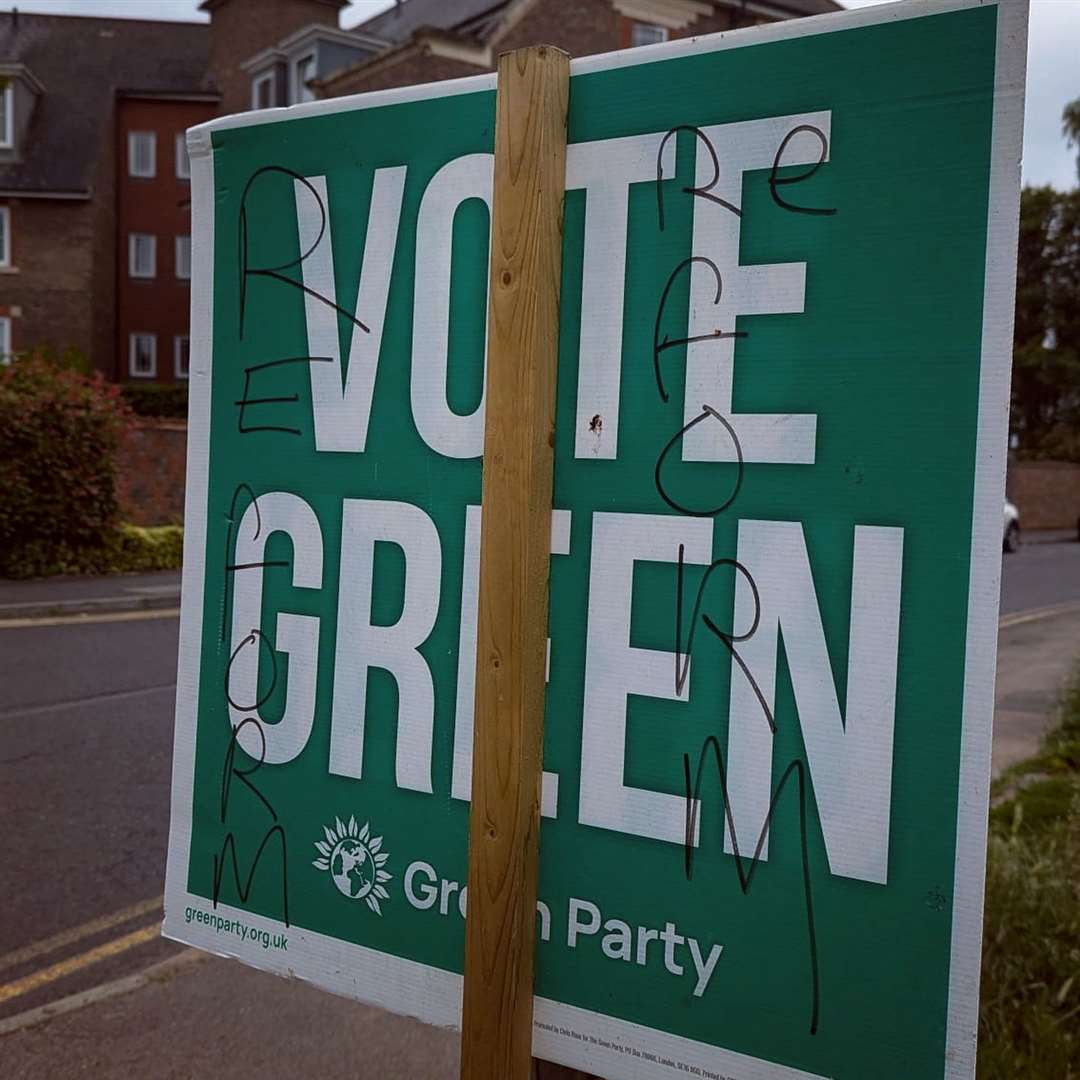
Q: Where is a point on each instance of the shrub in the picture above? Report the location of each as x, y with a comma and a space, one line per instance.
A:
60, 432
166, 401
127, 549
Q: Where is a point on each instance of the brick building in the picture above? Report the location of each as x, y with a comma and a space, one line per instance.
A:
445, 39
153, 231
94, 200
60, 174
94, 207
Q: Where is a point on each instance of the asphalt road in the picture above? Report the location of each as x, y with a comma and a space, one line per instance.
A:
85, 756
86, 717
1041, 575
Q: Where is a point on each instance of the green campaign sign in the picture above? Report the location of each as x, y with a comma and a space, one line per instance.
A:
785, 336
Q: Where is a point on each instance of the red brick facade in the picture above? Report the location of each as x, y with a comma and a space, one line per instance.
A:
150, 473
1047, 493
158, 206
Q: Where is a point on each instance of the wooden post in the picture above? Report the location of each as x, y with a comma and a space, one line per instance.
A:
515, 552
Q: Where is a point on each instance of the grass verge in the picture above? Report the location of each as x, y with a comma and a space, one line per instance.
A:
1029, 1018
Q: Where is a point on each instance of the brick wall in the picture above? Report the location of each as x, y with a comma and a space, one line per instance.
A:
410, 66
580, 27
49, 292
151, 467
1047, 493
241, 28
584, 27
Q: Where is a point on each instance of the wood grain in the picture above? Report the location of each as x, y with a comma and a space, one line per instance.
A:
526, 264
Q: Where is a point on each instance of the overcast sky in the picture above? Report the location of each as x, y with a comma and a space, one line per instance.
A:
1053, 65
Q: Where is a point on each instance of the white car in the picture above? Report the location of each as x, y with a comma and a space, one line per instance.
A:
1011, 540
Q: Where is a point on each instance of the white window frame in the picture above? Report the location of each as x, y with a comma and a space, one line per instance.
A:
660, 32
183, 162
179, 245
178, 372
5, 237
133, 137
267, 77
133, 340
5, 339
300, 87
7, 108
133, 240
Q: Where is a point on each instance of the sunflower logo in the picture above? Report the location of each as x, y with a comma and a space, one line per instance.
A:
354, 859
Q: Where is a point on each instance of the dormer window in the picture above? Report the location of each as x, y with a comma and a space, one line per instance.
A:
7, 117
262, 91
19, 95
305, 72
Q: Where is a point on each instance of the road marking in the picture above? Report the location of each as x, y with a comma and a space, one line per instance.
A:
93, 699
155, 973
87, 620
77, 963
1020, 617
77, 933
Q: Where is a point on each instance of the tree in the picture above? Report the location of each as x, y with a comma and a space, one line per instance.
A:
1070, 126
1046, 359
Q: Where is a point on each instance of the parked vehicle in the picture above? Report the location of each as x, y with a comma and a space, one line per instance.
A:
1011, 540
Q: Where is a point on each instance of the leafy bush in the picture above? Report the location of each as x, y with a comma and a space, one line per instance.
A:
127, 549
60, 432
166, 401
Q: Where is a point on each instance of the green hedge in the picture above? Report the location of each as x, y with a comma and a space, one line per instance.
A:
126, 549
165, 401
60, 432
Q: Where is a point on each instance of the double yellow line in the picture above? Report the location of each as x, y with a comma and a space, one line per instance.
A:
113, 947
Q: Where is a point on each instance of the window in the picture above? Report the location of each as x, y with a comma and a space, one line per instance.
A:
5, 340
5, 236
262, 91
305, 72
142, 355
181, 355
142, 255
183, 162
183, 258
7, 117
142, 154
647, 34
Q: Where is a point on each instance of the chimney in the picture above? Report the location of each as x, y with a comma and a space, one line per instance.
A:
239, 29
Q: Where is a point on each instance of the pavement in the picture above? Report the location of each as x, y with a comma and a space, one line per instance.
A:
216, 1018
1036, 658
57, 596
88, 988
